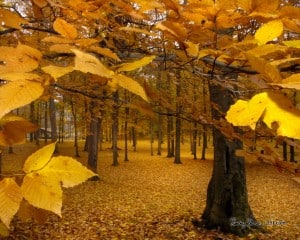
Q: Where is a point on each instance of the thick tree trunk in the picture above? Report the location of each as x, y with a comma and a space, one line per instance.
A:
53, 125
115, 124
204, 143
227, 201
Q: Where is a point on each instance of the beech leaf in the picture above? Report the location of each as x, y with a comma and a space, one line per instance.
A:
14, 129
130, 85
43, 192
274, 109
67, 170
57, 72
38, 160
10, 199
88, 63
126, 67
65, 29
268, 32
11, 19
19, 93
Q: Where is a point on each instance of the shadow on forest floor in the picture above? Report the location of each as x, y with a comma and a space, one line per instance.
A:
149, 197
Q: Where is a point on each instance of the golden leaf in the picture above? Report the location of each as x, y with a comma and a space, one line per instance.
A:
67, 170
65, 29
277, 112
291, 25
265, 68
61, 48
105, 52
265, 6
43, 192
10, 199
41, 3
14, 129
268, 32
57, 72
57, 40
39, 159
292, 43
130, 85
292, 81
4, 231
19, 76
137, 30
88, 63
18, 93
246, 113
20, 59
11, 19
125, 67
85, 42
192, 49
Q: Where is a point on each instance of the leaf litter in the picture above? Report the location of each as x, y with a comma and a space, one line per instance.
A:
150, 197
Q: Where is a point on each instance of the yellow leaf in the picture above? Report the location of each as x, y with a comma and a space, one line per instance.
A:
14, 129
130, 85
125, 67
292, 81
57, 40
10, 199
265, 68
65, 29
192, 49
20, 59
292, 43
246, 113
67, 170
85, 42
41, 3
274, 109
137, 30
265, 6
282, 116
105, 52
61, 48
88, 63
43, 192
18, 93
57, 72
4, 231
39, 159
268, 32
11, 19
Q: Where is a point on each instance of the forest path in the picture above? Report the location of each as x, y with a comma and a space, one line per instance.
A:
149, 197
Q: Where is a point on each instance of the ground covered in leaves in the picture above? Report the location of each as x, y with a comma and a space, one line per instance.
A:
149, 197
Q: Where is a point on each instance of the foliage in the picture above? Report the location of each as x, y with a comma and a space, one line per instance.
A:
42, 183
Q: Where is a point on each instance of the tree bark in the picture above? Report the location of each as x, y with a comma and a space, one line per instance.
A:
115, 116
227, 204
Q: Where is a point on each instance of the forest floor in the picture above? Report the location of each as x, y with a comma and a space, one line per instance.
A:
150, 197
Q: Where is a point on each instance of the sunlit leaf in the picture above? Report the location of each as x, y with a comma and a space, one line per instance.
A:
57, 40
88, 63
130, 85
20, 59
43, 192
292, 81
64, 28
85, 42
265, 68
39, 159
18, 93
11, 19
192, 49
292, 43
57, 72
246, 113
10, 199
14, 129
137, 30
61, 48
41, 3
269, 32
4, 231
105, 52
69, 171
277, 112
125, 67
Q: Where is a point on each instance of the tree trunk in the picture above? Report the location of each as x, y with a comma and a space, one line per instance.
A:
126, 134
194, 141
53, 126
74, 113
170, 144
204, 143
227, 200
46, 122
159, 134
115, 116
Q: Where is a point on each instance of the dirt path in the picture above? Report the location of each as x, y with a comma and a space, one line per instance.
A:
149, 197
